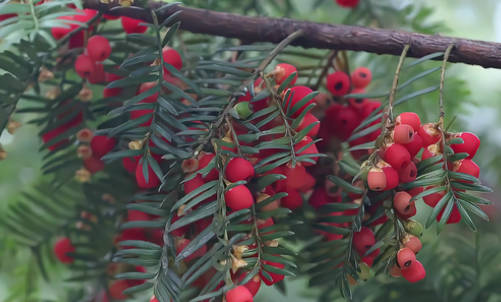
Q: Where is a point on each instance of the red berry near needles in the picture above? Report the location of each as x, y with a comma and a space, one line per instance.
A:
239, 294
470, 144
347, 3
338, 83
238, 198
429, 134
239, 169
102, 145
282, 71
296, 94
363, 240
172, 57
61, 249
396, 155
409, 118
151, 182
84, 66
98, 48
403, 134
414, 272
361, 77
132, 26
403, 205
405, 257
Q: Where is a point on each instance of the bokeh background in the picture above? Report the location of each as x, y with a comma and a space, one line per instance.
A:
478, 111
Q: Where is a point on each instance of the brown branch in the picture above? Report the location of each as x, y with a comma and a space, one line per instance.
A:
316, 35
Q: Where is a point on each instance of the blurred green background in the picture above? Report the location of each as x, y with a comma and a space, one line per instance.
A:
479, 113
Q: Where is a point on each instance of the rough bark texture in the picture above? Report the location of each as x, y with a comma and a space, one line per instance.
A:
316, 35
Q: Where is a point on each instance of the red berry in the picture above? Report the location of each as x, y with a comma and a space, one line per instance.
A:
193, 184
403, 134
338, 83
403, 205
153, 298
101, 145
238, 198
254, 284
274, 276
467, 166
470, 144
454, 217
282, 71
392, 179
409, 118
408, 172
293, 200
414, 145
61, 249
239, 294
296, 94
358, 103
98, 75
117, 288
130, 163
361, 77
53, 134
312, 149
110, 17
299, 179
203, 162
93, 164
239, 169
347, 3
98, 48
376, 179
429, 134
363, 240
412, 242
396, 155
346, 120
414, 273
307, 120
132, 26
172, 57
84, 66
369, 107
153, 180
433, 199
405, 257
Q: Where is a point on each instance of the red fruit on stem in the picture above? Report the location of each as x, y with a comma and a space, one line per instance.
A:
358, 103
414, 273
338, 83
282, 71
299, 179
274, 276
253, 285
110, 17
370, 107
408, 172
293, 200
376, 179
403, 205
467, 166
53, 134
84, 66
306, 147
93, 164
172, 57
130, 163
239, 198
470, 144
98, 48
238, 169
392, 179
403, 134
396, 155
116, 289
101, 145
409, 118
61, 249
203, 162
239, 294
412, 242
429, 134
405, 257
193, 184
414, 145
454, 217
347, 3
363, 240
132, 26
153, 299
308, 120
296, 94
141, 181
361, 77
433, 199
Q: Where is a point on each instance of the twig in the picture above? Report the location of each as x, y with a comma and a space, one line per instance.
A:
442, 80
331, 57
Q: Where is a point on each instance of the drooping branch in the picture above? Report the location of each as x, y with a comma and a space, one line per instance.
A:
317, 35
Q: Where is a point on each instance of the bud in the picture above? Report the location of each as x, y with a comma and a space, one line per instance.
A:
53, 93
189, 165
45, 75
413, 227
84, 152
85, 135
82, 175
85, 94
242, 110
136, 145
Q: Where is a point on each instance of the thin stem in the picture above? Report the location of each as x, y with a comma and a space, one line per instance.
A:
442, 81
234, 136
33, 15
332, 56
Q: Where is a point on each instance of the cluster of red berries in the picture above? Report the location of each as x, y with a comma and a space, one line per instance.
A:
345, 115
92, 148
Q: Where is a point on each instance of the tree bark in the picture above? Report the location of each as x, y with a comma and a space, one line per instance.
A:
316, 35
